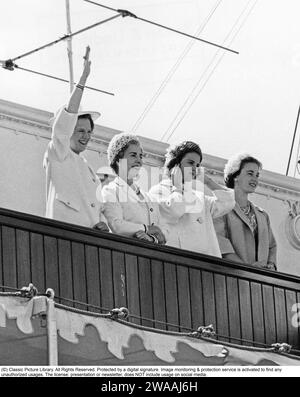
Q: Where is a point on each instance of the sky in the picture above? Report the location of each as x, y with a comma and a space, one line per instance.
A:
167, 86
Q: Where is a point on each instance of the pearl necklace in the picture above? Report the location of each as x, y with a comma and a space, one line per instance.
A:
246, 210
252, 218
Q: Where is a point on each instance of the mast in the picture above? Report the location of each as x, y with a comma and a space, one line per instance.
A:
69, 46
292, 147
298, 151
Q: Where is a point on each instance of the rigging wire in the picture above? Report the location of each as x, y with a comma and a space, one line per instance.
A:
173, 70
297, 166
169, 129
208, 77
69, 45
61, 79
9, 64
65, 37
292, 146
128, 13
101, 5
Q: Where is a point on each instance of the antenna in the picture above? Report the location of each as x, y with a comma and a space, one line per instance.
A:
69, 45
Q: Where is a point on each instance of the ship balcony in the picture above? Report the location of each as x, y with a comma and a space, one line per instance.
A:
162, 287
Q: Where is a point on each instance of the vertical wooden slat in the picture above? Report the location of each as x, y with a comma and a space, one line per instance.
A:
146, 290
171, 296
1, 256
280, 314
92, 275
209, 300
258, 313
184, 303
79, 274
291, 304
269, 314
196, 298
132, 286
222, 325
179, 293
297, 319
65, 271
9, 257
23, 258
37, 261
158, 293
51, 263
245, 310
119, 278
106, 279
234, 314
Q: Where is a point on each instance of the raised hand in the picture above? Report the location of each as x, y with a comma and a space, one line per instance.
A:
198, 182
75, 99
176, 177
87, 63
211, 184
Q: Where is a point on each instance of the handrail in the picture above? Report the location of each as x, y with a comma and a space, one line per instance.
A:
161, 286
88, 235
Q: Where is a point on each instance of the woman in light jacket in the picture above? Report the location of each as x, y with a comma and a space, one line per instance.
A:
245, 233
189, 212
128, 210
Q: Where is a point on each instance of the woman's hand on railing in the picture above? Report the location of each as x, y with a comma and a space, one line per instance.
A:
156, 231
271, 266
265, 265
260, 264
142, 235
101, 226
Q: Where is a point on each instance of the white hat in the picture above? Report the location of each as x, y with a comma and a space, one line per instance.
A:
234, 163
94, 115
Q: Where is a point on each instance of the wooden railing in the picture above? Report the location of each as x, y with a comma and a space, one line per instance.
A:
162, 287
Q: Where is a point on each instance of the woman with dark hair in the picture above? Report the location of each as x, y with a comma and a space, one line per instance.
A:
128, 210
245, 233
188, 212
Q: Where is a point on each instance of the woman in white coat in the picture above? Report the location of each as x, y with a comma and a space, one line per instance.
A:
71, 181
128, 210
189, 212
